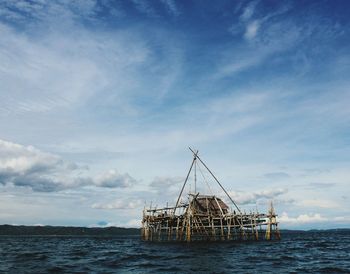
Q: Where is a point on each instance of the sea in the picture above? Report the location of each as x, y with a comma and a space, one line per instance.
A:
297, 252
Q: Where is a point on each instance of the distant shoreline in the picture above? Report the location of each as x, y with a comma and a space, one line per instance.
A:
48, 230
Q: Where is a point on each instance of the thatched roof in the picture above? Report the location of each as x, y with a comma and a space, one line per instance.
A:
210, 202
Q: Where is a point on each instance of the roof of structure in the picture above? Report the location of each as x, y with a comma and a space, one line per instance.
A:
210, 202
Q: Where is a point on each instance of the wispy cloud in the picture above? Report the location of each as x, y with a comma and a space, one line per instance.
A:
22, 10
273, 39
60, 73
68, 70
252, 30
248, 11
171, 7
145, 7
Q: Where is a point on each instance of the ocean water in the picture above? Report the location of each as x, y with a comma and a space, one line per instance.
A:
305, 252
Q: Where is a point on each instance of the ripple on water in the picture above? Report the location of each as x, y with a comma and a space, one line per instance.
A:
306, 253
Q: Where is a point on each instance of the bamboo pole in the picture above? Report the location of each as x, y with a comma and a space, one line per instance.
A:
213, 228
196, 155
188, 174
222, 230
229, 220
177, 228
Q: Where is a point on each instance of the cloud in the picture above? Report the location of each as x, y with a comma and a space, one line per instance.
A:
267, 34
25, 159
112, 179
165, 189
271, 39
165, 182
210, 119
324, 203
342, 219
321, 185
252, 29
145, 7
246, 23
302, 219
23, 10
315, 171
26, 166
171, 7
119, 204
248, 11
244, 198
111, 85
47, 70
41, 183
277, 175
51, 72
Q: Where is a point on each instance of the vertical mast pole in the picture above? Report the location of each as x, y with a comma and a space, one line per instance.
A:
195, 172
216, 180
188, 174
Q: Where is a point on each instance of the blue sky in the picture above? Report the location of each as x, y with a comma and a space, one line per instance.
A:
99, 101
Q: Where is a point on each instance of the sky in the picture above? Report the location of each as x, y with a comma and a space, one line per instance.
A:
100, 100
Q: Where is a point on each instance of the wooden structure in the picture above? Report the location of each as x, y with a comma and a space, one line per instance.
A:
206, 217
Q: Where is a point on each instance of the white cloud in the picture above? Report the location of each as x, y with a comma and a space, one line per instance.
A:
21, 159
342, 219
252, 29
243, 198
112, 179
119, 204
29, 167
302, 219
321, 203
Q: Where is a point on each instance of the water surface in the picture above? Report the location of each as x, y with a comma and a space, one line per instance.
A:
305, 252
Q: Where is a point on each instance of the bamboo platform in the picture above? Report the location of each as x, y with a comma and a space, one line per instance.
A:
207, 218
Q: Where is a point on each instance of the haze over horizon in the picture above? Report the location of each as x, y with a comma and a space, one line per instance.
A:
100, 100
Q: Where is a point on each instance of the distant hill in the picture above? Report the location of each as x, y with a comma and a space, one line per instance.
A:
22, 230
